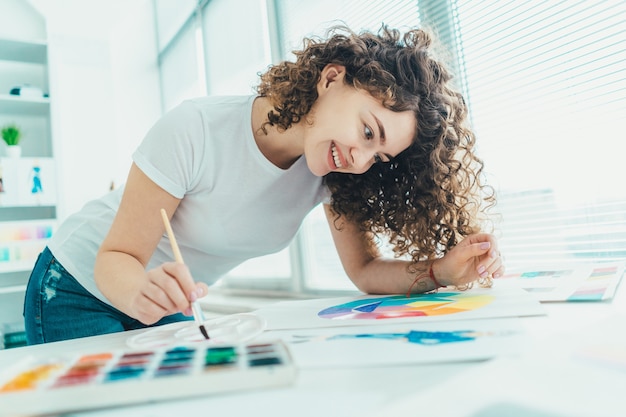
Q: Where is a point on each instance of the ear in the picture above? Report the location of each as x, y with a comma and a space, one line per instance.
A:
332, 73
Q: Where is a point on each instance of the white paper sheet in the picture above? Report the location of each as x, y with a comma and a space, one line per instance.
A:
385, 345
444, 305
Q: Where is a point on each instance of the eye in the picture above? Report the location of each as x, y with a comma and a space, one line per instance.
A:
369, 134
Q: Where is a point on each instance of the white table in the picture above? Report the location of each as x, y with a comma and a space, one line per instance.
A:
333, 392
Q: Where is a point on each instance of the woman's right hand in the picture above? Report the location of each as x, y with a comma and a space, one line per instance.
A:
168, 289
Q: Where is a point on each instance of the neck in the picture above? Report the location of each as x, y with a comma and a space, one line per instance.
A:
282, 148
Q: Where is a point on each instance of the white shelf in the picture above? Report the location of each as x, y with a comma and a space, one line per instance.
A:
32, 106
17, 266
13, 289
23, 51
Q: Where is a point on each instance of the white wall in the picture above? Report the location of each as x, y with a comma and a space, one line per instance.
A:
18, 20
104, 90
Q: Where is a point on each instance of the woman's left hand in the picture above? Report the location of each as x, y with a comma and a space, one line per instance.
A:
476, 256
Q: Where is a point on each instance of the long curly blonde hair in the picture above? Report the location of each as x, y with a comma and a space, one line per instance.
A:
430, 196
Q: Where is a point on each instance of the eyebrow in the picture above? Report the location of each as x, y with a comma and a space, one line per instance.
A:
383, 140
381, 129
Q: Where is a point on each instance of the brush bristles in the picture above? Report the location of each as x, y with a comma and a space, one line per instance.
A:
204, 332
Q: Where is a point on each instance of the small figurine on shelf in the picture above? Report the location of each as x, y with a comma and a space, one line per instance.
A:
36, 180
12, 134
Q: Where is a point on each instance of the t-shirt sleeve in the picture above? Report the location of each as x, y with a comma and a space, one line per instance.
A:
172, 151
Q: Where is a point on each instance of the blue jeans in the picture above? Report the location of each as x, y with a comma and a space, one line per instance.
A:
57, 307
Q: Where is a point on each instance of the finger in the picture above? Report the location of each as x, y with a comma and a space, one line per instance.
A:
477, 249
157, 294
499, 273
491, 264
499, 267
180, 285
200, 291
481, 237
148, 312
180, 273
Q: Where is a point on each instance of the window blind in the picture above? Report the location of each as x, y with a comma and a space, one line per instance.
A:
547, 92
298, 19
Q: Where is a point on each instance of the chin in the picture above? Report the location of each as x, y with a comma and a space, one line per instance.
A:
318, 171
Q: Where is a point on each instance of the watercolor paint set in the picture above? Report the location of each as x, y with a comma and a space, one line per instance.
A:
53, 385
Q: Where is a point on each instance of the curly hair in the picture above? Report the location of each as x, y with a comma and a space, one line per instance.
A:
430, 196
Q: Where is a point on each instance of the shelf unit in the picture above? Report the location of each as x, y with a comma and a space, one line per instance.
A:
23, 62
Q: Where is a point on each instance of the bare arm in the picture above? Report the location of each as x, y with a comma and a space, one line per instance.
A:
474, 257
120, 263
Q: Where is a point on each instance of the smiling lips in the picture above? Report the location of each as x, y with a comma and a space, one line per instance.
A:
336, 156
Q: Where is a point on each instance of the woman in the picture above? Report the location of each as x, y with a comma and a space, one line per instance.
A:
366, 124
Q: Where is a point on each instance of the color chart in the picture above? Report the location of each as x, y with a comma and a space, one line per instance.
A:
583, 282
107, 379
22, 241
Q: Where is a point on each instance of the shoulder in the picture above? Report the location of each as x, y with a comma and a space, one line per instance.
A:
219, 103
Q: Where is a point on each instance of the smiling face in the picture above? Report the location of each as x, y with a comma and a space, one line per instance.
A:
350, 129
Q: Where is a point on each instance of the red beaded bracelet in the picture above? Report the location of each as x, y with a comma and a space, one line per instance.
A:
431, 274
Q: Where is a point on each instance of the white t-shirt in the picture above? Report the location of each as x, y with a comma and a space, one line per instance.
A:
235, 203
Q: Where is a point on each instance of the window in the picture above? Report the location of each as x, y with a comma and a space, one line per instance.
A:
232, 68
171, 16
180, 51
235, 52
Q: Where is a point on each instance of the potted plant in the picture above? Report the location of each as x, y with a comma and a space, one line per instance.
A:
12, 134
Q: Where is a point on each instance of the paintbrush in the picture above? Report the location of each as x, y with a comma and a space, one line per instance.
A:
195, 307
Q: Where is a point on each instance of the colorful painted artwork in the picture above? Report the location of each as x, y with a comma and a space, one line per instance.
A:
397, 306
422, 337
397, 344
27, 182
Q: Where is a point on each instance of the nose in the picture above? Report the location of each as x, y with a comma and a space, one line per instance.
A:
362, 160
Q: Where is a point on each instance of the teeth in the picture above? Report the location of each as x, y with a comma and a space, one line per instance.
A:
336, 156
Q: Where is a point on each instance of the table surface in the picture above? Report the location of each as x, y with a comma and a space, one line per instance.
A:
334, 392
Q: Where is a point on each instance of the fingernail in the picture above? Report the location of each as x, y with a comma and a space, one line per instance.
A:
485, 245
481, 269
193, 296
496, 275
188, 312
493, 254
